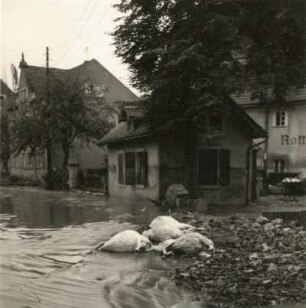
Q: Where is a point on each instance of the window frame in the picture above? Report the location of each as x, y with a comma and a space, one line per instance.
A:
283, 118
279, 165
135, 184
23, 94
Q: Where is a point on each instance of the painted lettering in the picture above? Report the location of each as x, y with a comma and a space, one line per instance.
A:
299, 140
285, 140
293, 141
302, 140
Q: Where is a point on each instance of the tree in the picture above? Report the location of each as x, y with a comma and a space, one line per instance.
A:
71, 111
75, 111
4, 140
187, 55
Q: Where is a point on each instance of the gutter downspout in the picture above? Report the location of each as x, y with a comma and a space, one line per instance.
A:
250, 148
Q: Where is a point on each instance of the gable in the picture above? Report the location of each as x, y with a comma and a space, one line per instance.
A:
92, 71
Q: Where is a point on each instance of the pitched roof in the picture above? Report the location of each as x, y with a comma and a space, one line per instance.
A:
36, 77
4, 89
135, 109
122, 133
89, 71
245, 99
257, 130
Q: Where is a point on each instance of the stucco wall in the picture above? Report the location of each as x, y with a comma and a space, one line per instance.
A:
151, 190
288, 143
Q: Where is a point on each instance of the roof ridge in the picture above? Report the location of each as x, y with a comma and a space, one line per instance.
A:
43, 67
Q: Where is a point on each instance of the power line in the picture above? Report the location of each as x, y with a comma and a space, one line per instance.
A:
81, 18
79, 32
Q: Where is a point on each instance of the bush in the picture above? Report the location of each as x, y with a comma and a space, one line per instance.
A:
56, 180
23, 181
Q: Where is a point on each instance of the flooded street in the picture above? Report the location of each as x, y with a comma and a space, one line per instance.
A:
46, 241
48, 259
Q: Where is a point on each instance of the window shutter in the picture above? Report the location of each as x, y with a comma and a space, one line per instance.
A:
208, 167
286, 118
145, 174
224, 167
130, 168
120, 168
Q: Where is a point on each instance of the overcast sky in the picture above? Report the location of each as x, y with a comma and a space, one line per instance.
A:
74, 30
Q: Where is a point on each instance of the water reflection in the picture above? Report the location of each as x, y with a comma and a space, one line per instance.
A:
34, 208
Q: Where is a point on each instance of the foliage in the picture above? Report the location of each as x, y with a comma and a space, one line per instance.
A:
29, 129
69, 113
23, 181
186, 55
73, 113
4, 141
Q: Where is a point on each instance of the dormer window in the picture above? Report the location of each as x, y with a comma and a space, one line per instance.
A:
23, 94
3, 97
131, 123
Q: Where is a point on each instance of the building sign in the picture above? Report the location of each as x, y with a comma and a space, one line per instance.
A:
298, 140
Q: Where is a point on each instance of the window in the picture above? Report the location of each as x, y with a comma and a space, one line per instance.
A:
214, 167
89, 88
23, 95
100, 90
281, 118
132, 168
40, 160
278, 165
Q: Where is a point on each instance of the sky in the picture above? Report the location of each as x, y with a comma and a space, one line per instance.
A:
74, 31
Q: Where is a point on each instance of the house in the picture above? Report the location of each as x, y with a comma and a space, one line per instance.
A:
285, 151
7, 98
98, 81
211, 157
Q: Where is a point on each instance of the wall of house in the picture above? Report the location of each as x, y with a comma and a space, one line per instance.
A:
236, 137
289, 142
23, 165
132, 192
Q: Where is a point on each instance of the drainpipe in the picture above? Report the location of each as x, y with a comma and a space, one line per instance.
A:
250, 148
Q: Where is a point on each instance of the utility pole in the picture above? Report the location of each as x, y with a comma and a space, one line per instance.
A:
264, 99
49, 168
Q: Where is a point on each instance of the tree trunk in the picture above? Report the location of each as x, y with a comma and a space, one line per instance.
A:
66, 150
190, 157
65, 175
35, 165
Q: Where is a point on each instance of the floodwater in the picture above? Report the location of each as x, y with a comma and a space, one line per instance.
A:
47, 257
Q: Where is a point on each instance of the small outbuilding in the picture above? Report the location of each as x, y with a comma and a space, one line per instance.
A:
211, 156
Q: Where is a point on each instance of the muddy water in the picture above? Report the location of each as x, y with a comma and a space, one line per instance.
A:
45, 242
